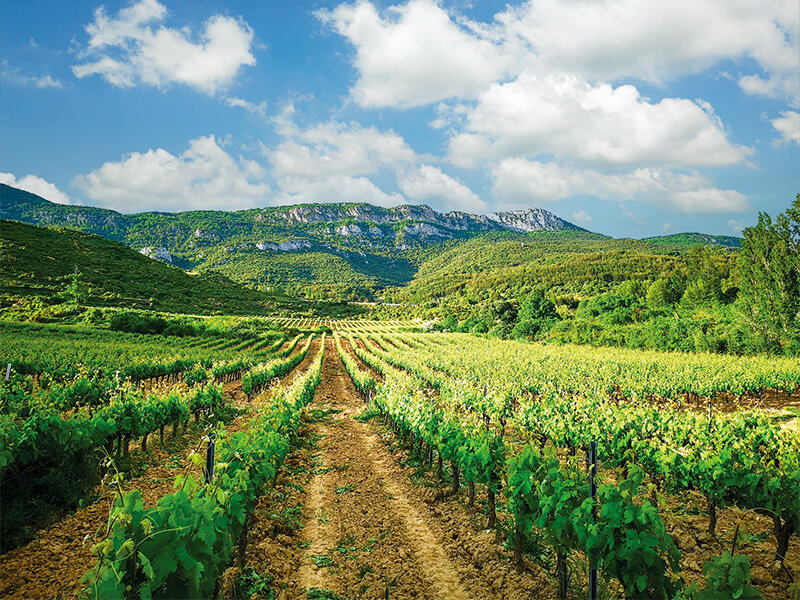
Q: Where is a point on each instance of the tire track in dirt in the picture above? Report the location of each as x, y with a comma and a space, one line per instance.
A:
485, 568
316, 535
54, 562
436, 564
361, 535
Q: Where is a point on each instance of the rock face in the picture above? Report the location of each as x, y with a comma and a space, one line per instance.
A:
530, 219
187, 239
367, 213
423, 230
161, 254
284, 246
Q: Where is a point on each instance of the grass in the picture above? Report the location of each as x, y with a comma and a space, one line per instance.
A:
322, 561
289, 519
367, 415
322, 594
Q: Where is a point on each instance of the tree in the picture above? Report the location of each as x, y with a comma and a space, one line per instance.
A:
770, 272
536, 307
535, 314
658, 294
76, 292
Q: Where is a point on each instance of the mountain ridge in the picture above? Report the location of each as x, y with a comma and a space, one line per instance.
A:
537, 219
324, 251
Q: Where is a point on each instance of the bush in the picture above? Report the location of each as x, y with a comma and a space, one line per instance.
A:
525, 330
183, 330
132, 322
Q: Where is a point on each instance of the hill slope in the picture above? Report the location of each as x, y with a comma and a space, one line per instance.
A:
507, 265
355, 251
334, 250
36, 261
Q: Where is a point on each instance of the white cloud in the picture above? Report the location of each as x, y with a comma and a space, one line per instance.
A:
255, 110
735, 226
134, 48
788, 126
563, 115
203, 177
335, 148
337, 188
16, 76
521, 183
659, 41
36, 185
327, 162
414, 54
429, 185
582, 218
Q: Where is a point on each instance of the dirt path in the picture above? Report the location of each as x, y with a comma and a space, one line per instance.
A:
55, 561
365, 527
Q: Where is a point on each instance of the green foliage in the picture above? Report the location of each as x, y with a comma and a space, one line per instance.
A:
727, 578
770, 276
133, 322
251, 583
77, 292
198, 375
625, 538
178, 548
80, 267
257, 378
630, 543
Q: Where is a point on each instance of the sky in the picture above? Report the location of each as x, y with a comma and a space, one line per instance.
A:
631, 118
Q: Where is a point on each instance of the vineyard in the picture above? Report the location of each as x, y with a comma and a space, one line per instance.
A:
366, 459
348, 325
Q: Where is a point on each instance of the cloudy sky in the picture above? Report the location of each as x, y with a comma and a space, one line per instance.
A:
628, 117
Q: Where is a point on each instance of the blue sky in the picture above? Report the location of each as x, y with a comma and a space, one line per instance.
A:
627, 117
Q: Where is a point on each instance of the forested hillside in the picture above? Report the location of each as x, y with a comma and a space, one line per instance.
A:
656, 293
337, 251
524, 274
46, 271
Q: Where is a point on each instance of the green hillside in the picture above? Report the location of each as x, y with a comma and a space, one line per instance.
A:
680, 240
43, 263
338, 251
570, 262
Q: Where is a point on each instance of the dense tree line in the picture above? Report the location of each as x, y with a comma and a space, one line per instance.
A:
709, 299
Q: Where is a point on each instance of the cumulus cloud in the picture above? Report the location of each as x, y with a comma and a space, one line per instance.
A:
582, 218
203, 177
659, 41
518, 182
429, 185
134, 47
36, 185
788, 126
15, 76
330, 161
336, 188
336, 148
568, 117
414, 53
736, 226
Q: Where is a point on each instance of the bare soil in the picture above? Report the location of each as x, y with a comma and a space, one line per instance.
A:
361, 526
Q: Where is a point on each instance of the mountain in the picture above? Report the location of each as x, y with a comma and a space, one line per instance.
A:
343, 251
694, 239
39, 262
575, 264
361, 251
531, 219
